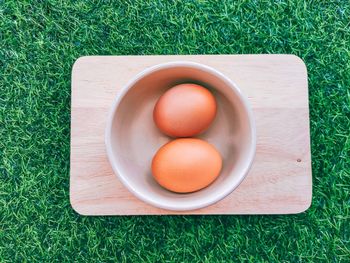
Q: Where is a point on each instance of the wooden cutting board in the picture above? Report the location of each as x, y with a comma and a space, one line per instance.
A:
280, 180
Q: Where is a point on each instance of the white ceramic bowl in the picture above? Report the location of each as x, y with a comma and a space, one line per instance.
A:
132, 138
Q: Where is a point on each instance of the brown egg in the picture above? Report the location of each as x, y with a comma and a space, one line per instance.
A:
185, 110
186, 165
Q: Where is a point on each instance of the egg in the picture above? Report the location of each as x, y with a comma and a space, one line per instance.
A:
185, 110
186, 165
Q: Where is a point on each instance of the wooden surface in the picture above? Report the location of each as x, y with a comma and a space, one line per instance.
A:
279, 181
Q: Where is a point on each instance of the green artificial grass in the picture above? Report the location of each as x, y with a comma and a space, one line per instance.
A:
39, 42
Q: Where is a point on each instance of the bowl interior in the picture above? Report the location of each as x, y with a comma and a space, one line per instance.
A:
134, 138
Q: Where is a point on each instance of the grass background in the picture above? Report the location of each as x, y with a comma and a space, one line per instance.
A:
40, 40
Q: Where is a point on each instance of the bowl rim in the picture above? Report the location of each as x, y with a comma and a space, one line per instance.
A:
119, 97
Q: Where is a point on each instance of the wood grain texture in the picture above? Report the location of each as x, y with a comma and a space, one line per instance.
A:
280, 180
